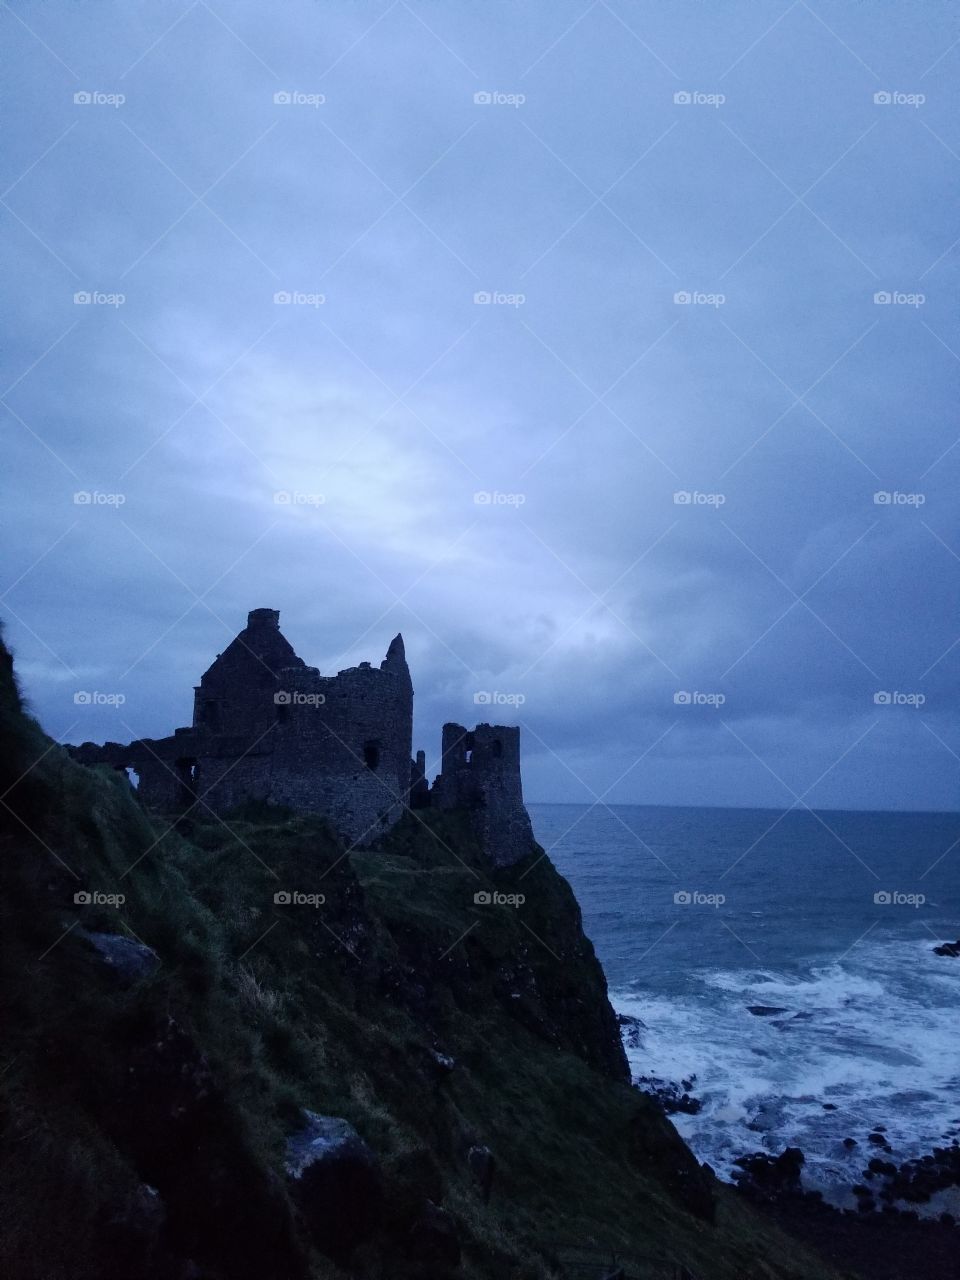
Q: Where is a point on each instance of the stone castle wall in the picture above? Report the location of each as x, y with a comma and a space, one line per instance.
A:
481, 772
267, 727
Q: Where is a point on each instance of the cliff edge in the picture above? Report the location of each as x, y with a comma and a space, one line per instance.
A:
236, 1048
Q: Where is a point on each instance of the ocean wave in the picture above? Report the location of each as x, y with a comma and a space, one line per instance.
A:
863, 1041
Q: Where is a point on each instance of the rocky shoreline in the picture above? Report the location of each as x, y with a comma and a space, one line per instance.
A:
887, 1236
898, 1221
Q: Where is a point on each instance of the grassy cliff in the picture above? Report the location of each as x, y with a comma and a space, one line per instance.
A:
146, 1112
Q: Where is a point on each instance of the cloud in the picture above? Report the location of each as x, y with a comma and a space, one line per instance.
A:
675, 299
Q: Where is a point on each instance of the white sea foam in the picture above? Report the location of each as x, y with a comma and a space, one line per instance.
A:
874, 1034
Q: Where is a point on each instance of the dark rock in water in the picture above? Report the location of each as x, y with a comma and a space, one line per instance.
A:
670, 1095
766, 1177
765, 1010
829, 1106
918, 1181
628, 1020
433, 1241
128, 958
769, 1116
630, 1029
878, 1140
336, 1182
948, 949
849, 1143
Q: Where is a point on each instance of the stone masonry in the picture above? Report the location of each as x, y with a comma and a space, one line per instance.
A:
266, 727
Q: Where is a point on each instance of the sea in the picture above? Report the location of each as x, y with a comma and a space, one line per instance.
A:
781, 964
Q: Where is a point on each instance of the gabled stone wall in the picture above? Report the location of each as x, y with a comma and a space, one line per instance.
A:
268, 727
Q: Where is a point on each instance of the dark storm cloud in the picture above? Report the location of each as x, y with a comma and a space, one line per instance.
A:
682, 306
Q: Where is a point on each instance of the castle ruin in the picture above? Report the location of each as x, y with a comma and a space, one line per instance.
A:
266, 727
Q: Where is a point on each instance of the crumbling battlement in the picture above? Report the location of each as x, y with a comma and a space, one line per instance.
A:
481, 772
267, 727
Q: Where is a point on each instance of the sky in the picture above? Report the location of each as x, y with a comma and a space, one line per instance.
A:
609, 351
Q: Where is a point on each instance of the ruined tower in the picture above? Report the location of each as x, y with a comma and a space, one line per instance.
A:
481, 772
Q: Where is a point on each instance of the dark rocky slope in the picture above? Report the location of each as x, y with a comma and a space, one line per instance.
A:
214, 1080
